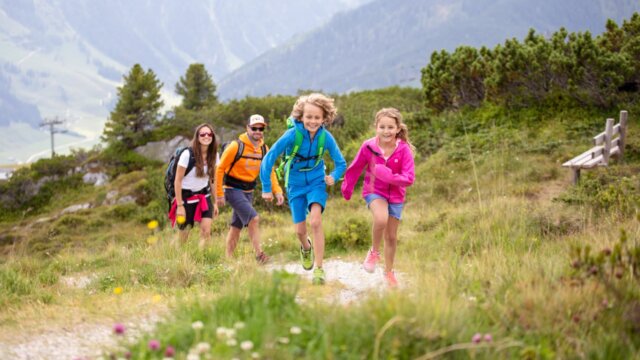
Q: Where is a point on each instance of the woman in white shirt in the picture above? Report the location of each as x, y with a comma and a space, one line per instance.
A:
193, 189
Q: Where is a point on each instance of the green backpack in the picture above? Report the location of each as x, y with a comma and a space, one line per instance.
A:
285, 164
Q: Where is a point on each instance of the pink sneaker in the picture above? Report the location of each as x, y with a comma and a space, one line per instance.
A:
369, 263
390, 277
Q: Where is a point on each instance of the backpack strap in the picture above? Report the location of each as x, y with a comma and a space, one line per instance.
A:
238, 154
192, 159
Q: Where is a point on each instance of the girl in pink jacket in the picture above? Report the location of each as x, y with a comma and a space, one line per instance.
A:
387, 160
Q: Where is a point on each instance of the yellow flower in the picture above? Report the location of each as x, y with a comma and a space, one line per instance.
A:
152, 240
181, 219
156, 299
117, 290
152, 224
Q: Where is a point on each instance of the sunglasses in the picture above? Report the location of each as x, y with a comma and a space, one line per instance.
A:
206, 134
261, 129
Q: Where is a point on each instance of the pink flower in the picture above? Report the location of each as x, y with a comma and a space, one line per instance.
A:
476, 338
119, 328
154, 344
488, 338
169, 351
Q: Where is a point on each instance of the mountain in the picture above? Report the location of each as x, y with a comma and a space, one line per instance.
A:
387, 43
66, 57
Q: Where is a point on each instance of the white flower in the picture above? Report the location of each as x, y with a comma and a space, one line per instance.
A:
231, 333
283, 340
246, 345
193, 356
221, 332
203, 347
255, 355
232, 342
197, 325
239, 325
295, 330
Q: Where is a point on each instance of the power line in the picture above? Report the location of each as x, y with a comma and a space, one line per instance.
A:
51, 123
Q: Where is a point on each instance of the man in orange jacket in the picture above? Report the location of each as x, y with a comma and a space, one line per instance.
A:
235, 181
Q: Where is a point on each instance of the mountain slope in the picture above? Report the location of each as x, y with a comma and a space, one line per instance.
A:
387, 43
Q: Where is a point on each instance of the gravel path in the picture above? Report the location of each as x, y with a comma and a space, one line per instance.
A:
87, 340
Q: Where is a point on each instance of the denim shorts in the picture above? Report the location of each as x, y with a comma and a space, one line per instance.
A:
242, 204
395, 209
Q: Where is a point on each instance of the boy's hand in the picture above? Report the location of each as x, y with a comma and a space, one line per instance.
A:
328, 179
267, 196
279, 199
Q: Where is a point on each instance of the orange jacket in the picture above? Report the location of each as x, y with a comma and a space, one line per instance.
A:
245, 169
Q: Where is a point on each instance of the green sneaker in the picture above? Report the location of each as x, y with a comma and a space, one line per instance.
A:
318, 276
306, 256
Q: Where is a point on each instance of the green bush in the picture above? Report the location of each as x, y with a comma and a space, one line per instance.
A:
350, 233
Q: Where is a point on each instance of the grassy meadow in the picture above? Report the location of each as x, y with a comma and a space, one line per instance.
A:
495, 240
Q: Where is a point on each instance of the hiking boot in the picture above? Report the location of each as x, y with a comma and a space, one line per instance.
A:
306, 256
262, 258
318, 276
390, 278
370, 261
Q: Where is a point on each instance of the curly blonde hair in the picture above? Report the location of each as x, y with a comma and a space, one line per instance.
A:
319, 100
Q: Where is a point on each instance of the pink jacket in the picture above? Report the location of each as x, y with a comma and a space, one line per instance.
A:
387, 178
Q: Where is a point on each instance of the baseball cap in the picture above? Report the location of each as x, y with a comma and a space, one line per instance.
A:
256, 119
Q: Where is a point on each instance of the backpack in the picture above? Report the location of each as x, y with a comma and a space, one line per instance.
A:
170, 173
285, 165
230, 180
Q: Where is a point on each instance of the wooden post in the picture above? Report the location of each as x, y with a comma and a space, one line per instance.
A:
607, 141
576, 175
623, 131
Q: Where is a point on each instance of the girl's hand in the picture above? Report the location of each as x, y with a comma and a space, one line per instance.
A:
328, 179
267, 196
180, 211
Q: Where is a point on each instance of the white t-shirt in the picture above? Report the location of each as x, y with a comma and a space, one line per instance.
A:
190, 180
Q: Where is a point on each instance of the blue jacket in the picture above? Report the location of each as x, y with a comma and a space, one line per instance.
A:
307, 149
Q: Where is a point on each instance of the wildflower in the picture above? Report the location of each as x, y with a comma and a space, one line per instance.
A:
283, 340
152, 240
117, 290
169, 351
156, 298
232, 342
197, 325
221, 332
246, 345
295, 330
255, 355
180, 219
239, 325
193, 356
119, 329
488, 338
231, 333
203, 347
152, 224
154, 344
476, 338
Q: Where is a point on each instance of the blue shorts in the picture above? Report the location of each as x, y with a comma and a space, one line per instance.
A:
395, 209
242, 204
301, 198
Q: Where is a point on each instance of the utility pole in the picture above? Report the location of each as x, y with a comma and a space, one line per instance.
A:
51, 123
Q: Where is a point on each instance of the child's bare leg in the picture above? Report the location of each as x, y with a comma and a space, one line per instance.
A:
390, 243
380, 211
301, 233
315, 221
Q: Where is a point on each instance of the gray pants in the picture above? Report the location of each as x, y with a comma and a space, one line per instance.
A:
242, 204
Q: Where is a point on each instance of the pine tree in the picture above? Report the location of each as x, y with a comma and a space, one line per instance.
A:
136, 111
196, 88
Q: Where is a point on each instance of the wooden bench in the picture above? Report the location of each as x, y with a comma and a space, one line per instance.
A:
607, 144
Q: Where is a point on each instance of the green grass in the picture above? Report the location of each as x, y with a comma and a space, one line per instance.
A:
486, 245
